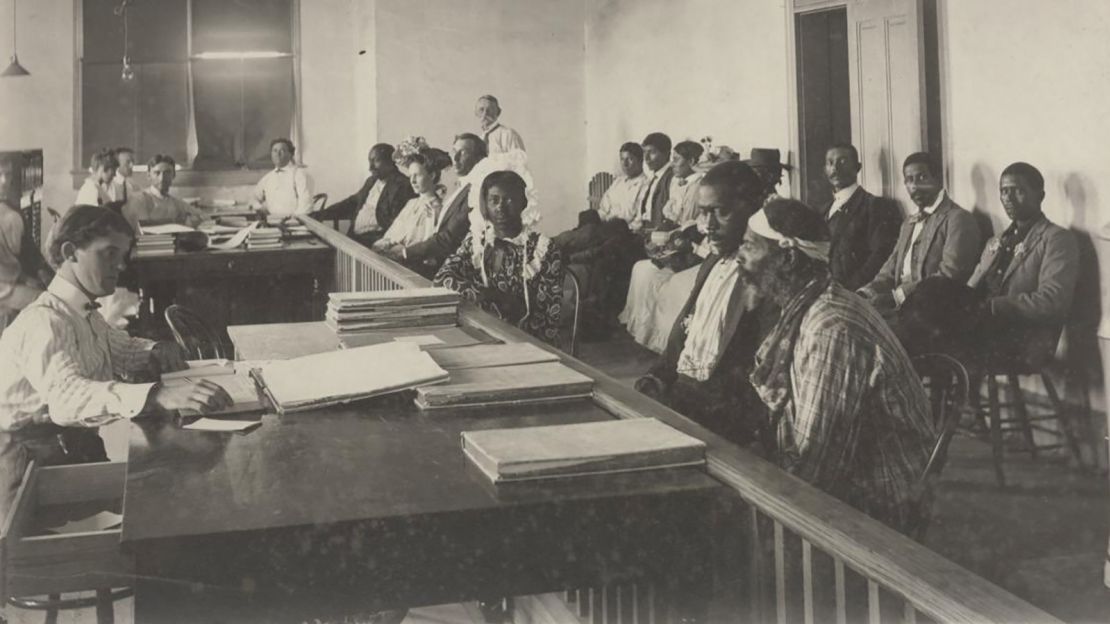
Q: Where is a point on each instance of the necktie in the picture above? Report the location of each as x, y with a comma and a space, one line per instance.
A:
92, 305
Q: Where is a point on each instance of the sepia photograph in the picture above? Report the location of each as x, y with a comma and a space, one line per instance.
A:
554, 311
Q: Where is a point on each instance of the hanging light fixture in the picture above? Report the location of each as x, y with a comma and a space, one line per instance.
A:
14, 69
128, 73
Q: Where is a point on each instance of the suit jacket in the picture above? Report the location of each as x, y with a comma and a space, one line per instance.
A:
397, 192
453, 226
746, 324
864, 231
948, 245
662, 194
1040, 281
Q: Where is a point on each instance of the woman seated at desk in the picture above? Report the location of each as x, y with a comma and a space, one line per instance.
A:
503, 266
418, 220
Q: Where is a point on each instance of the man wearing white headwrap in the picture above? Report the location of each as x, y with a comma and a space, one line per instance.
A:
851, 414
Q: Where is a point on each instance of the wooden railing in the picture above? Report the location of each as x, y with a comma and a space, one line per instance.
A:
792, 526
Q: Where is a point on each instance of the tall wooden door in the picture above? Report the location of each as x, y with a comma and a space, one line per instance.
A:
888, 89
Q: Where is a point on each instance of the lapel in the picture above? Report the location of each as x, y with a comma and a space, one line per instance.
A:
1031, 241
846, 213
449, 211
929, 230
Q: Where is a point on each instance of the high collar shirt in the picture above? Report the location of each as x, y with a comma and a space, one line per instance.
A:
919, 220
285, 191
682, 202
622, 200
501, 139
367, 218
702, 349
61, 362
840, 198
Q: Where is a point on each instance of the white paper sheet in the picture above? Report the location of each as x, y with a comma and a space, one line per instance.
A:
235, 241
165, 228
211, 424
419, 340
98, 522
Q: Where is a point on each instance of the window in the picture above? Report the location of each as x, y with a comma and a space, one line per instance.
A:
213, 79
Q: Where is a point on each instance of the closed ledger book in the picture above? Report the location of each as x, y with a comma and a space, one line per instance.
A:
345, 375
496, 385
609, 446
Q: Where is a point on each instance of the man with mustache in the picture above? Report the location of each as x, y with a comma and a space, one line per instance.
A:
850, 413
1028, 273
941, 238
382, 196
499, 138
864, 228
703, 370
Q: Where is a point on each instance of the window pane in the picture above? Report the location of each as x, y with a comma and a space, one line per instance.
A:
109, 109
217, 93
155, 30
268, 106
242, 25
163, 113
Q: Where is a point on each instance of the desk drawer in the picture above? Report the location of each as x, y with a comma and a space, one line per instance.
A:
35, 562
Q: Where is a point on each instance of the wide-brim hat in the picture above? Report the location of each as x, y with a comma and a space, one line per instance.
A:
766, 157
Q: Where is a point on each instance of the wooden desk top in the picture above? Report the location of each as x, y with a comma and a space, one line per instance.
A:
293, 246
374, 459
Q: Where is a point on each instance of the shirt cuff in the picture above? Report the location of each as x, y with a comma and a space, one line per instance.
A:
133, 398
899, 296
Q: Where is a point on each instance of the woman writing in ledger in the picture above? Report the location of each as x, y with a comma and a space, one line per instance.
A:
505, 267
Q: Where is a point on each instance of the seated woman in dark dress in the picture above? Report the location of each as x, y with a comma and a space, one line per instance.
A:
503, 266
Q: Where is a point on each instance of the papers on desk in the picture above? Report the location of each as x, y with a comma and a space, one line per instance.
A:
482, 356
102, 521
581, 449
212, 424
360, 312
164, 228
499, 385
333, 377
235, 240
238, 384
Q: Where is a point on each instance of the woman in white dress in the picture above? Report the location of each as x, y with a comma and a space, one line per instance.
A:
649, 277
419, 219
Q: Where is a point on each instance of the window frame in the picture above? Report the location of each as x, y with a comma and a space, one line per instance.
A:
186, 176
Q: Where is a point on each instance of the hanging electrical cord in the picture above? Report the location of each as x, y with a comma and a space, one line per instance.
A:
128, 73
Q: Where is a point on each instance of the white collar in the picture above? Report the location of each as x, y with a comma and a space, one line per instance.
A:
936, 203
490, 129
843, 194
70, 294
284, 167
690, 179
627, 178
659, 172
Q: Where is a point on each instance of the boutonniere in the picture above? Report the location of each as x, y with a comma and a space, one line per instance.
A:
1019, 249
686, 323
993, 245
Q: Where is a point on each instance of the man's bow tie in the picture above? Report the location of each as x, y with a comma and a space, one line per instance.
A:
919, 216
92, 305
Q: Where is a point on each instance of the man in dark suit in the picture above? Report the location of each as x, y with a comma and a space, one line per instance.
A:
426, 256
374, 207
864, 227
1027, 274
941, 238
703, 371
657, 157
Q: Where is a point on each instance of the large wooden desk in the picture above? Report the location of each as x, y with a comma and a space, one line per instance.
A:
237, 286
374, 505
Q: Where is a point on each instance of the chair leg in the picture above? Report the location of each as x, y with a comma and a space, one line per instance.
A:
975, 403
52, 614
1065, 418
996, 429
105, 609
1017, 397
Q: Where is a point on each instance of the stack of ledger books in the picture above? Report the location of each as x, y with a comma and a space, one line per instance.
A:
359, 312
333, 377
297, 231
154, 245
504, 385
609, 446
264, 238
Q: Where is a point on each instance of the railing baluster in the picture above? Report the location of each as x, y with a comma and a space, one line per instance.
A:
873, 611
841, 599
807, 580
910, 616
780, 575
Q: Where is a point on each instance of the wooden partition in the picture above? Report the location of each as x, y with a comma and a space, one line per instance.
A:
811, 558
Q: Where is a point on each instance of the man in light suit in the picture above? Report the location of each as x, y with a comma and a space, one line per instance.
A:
940, 239
426, 256
703, 371
382, 196
864, 228
1027, 274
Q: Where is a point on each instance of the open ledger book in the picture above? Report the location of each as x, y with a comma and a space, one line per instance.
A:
526, 453
345, 375
224, 373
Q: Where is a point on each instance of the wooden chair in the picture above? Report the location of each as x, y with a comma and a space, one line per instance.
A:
103, 600
946, 384
572, 295
196, 336
599, 183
